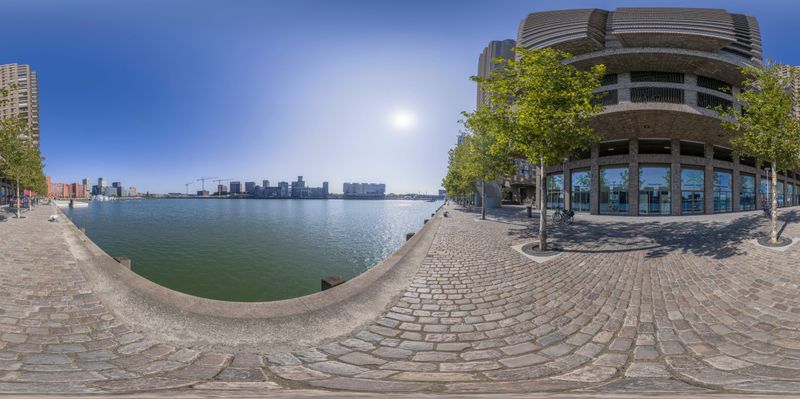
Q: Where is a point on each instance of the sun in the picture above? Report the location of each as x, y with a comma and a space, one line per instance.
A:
402, 120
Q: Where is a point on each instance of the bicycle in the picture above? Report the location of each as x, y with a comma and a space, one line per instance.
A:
564, 216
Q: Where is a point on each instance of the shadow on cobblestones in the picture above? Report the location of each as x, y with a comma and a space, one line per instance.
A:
706, 238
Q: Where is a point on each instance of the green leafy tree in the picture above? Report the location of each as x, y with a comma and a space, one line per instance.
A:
545, 106
488, 153
21, 161
457, 181
766, 127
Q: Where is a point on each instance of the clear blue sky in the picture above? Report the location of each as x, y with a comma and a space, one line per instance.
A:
158, 93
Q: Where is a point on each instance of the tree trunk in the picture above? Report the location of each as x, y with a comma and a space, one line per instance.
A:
18, 200
773, 234
542, 210
483, 199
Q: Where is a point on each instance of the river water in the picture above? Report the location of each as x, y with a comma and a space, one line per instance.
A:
250, 250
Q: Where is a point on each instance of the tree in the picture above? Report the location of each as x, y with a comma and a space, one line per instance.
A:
765, 127
488, 154
545, 106
457, 181
21, 161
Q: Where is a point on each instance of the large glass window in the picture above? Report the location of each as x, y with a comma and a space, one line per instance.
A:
723, 191
779, 194
764, 192
747, 192
692, 185
614, 190
789, 194
581, 187
555, 191
654, 182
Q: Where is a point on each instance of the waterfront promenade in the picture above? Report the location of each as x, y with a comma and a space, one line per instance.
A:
682, 305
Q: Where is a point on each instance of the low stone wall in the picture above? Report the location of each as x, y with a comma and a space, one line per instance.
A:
174, 317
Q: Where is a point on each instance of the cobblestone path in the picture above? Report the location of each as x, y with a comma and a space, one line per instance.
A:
685, 305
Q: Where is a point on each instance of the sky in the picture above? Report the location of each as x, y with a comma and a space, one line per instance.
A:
156, 94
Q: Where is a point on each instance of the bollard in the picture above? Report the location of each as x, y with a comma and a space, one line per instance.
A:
445, 213
530, 211
124, 261
425, 221
409, 235
331, 281
433, 214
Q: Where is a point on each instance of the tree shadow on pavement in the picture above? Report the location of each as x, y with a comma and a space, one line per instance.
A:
714, 239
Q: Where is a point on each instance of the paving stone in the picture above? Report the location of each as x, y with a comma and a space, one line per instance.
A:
297, 373
241, 374
46, 358
184, 355
646, 370
524, 360
337, 368
589, 374
469, 366
361, 359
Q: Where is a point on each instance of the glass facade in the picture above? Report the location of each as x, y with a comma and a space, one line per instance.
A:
763, 192
789, 194
654, 183
581, 187
555, 191
723, 191
747, 192
692, 186
779, 194
614, 190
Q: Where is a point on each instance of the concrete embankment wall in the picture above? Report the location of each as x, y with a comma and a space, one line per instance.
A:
174, 317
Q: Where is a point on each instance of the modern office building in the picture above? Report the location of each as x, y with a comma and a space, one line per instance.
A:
364, 190
522, 184
236, 187
663, 151
23, 98
487, 61
250, 187
297, 187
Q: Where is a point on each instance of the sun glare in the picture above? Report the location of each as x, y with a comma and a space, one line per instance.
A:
402, 120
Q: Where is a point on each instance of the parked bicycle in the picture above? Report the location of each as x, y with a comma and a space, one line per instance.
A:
563, 216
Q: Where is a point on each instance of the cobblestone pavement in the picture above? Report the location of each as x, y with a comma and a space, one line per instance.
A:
682, 306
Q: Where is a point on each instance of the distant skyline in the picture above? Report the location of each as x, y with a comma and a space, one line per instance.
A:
159, 93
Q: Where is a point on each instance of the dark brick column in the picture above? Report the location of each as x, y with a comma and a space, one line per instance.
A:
675, 176
708, 182
633, 178
594, 190
736, 181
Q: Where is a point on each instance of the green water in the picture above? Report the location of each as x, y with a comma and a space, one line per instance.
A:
250, 250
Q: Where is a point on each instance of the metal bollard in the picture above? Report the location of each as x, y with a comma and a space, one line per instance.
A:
425, 221
331, 281
530, 211
409, 235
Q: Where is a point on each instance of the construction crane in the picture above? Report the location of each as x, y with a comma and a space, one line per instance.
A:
203, 179
187, 186
219, 192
